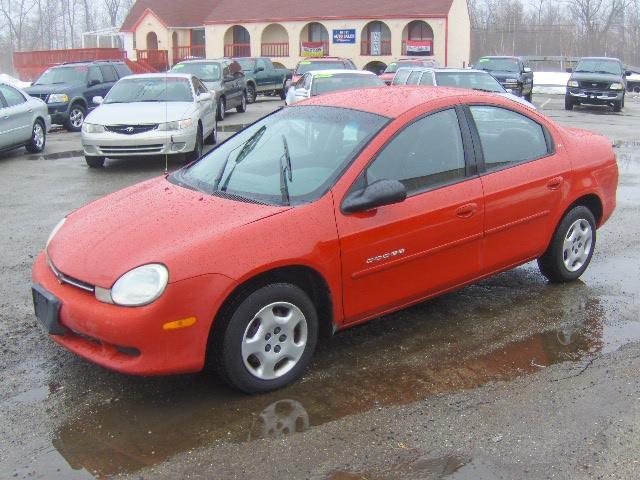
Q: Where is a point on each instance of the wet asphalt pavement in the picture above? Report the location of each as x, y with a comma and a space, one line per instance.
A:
509, 378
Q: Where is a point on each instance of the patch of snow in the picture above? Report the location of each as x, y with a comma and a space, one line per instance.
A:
6, 78
554, 83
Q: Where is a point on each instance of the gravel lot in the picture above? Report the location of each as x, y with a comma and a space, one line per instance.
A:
510, 378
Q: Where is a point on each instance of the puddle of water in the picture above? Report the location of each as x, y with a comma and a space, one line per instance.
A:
420, 468
56, 155
434, 354
232, 128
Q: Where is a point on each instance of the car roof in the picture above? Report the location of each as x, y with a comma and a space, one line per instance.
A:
323, 59
501, 56
601, 58
85, 63
444, 70
389, 102
188, 76
203, 60
339, 70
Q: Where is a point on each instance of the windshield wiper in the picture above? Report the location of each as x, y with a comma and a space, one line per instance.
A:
485, 90
605, 72
284, 168
247, 147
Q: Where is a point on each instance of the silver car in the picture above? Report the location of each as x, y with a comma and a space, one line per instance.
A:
24, 120
452, 77
150, 114
317, 82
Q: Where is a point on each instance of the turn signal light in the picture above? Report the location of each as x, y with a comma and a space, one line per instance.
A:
184, 323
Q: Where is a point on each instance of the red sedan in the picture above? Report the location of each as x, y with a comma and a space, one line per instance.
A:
316, 218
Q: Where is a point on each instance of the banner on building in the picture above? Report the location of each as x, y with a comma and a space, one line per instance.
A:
344, 36
418, 48
312, 49
376, 43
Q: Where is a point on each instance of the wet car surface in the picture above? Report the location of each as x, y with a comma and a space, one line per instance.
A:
68, 419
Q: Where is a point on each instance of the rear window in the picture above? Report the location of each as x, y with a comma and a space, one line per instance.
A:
332, 82
207, 72
308, 65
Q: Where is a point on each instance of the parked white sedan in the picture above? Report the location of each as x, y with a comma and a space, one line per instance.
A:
317, 82
150, 114
24, 120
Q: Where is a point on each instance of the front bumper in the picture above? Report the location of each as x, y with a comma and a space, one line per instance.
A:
155, 142
595, 97
132, 340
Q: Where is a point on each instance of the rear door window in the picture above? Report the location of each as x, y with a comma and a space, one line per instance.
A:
11, 96
108, 73
95, 75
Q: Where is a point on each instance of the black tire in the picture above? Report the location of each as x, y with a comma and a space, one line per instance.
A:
618, 106
552, 263
196, 153
77, 114
212, 139
251, 93
38, 138
568, 103
222, 109
283, 91
243, 104
529, 97
94, 162
225, 346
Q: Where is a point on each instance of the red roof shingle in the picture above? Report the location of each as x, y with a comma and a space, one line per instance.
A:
173, 13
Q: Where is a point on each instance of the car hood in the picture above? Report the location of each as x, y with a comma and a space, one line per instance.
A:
153, 222
595, 77
140, 113
53, 88
214, 86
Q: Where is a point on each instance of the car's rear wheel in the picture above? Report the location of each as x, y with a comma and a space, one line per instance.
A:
196, 153
213, 136
251, 93
265, 339
77, 114
222, 109
38, 138
94, 162
568, 103
571, 248
243, 104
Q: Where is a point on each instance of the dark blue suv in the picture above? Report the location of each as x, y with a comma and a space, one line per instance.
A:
68, 89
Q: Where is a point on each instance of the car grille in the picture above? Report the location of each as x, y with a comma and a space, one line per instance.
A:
595, 85
130, 149
42, 96
64, 278
130, 129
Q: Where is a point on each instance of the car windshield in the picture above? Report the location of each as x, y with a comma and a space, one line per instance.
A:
290, 157
499, 64
472, 80
394, 66
599, 66
307, 65
247, 65
56, 75
332, 82
150, 89
207, 72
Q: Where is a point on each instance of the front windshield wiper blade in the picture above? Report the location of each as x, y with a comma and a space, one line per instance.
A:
285, 172
247, 147
605, 72
486, 90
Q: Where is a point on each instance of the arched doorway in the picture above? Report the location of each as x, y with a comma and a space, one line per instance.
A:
275, 41
376, 67
376, 39
152, 41
314, 40
237, 42
417, 39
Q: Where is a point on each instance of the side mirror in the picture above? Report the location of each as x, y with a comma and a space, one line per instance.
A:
527, 70
97, 100
569, 70
204, 97
259, 69
628, 73
93, 82
378, 194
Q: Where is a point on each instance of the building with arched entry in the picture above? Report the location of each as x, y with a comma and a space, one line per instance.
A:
370, 32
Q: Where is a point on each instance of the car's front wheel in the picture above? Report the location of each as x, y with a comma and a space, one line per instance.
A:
571, 248
243, 104
618, 106
568, 103
76, 118
222, 109
251, 93
38, 138
265, 339
94, 162
196, 153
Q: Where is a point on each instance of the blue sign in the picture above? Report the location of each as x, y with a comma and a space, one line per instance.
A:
344, 36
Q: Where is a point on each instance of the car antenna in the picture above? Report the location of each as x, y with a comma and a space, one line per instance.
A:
166, 115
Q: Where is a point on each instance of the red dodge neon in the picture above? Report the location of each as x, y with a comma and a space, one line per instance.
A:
316, 218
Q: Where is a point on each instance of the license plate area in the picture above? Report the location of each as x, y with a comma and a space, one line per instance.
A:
47, 309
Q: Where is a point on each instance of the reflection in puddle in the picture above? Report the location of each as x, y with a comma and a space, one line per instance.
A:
458, 341
418, 469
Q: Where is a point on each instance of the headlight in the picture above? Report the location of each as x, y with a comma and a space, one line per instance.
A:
55, 230
140, 286
573, 84
92, 128
616, 86
58, 98
511, 80
177, 125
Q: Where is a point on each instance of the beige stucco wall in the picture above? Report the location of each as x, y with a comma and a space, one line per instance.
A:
459, 34
148, 24
215, 35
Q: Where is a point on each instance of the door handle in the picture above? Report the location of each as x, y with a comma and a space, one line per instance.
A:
555, 183
467, 211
